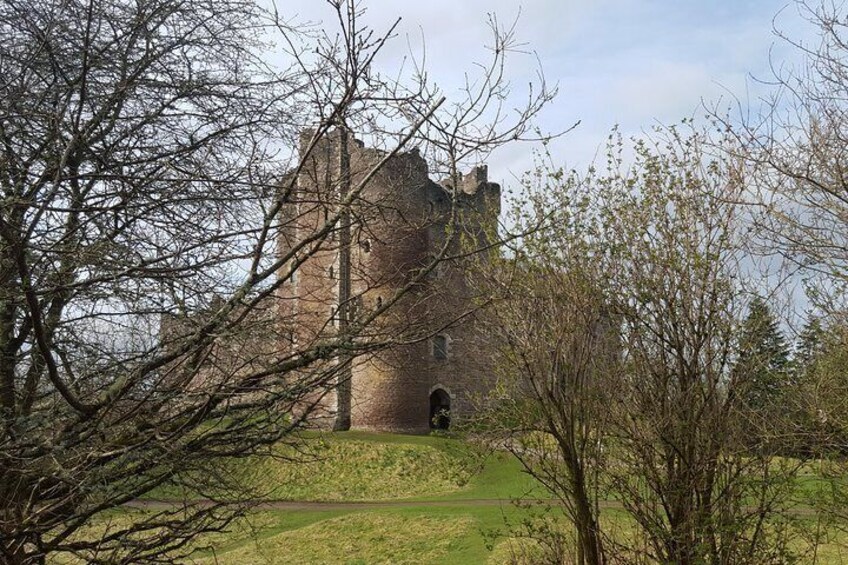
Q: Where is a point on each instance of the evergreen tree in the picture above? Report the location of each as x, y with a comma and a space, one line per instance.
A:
810, 343
763, 363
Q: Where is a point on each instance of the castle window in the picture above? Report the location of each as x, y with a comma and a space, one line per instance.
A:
379, 302
440, 347
332, 272
366, 245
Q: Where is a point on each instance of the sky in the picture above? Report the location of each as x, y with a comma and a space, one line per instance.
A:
631, 63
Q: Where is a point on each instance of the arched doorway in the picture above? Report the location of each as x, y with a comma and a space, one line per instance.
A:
439, 410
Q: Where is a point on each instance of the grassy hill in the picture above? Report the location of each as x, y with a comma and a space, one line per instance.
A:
367, 467
383, 498
449, 502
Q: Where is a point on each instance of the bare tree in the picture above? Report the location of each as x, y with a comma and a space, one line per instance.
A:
794, 147
142, 160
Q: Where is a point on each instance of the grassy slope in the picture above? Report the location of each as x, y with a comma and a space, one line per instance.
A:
356, 470
362, 537
368, 465
431, 460
450, 535
359, 466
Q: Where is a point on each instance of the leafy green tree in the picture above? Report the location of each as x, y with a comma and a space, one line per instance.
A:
822, 387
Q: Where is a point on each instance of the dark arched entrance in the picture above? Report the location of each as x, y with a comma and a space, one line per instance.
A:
439, 410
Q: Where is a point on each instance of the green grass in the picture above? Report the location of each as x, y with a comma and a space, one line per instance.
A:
351, 469
501, 476
411, 470
450, 535
361, 466
458, 534
253, 531
356, 466
364, 537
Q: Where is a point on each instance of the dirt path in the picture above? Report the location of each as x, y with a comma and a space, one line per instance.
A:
318, 506
298, 505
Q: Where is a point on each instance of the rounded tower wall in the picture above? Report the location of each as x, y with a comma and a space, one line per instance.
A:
392, 245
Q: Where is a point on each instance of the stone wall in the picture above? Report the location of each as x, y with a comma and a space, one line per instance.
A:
399, 221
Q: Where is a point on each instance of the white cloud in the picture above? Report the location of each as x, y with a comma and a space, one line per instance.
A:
629, 62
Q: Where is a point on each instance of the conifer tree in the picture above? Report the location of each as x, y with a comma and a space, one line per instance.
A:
763, 357
810, 343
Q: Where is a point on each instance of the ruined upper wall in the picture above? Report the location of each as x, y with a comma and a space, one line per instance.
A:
475, 191
409, 170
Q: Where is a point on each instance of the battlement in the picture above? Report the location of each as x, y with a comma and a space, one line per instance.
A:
406, 174
472, 181
330, 141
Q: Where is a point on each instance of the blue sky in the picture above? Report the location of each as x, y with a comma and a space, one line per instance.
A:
628, 62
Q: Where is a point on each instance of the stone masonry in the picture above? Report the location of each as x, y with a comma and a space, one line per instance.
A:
399, 222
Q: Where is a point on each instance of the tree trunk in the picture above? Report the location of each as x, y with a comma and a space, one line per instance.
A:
343, 387
588, 532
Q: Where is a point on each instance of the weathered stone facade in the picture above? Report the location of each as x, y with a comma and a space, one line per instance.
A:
397, 224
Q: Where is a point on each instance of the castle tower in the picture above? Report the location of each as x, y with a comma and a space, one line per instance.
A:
375, 253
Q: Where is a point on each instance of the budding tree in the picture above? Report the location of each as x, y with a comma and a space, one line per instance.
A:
795, 148
627, 358
555, 358
673, 231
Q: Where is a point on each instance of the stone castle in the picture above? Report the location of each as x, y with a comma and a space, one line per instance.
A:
384, 242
